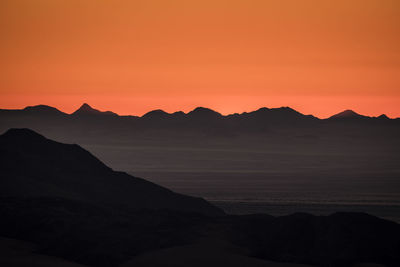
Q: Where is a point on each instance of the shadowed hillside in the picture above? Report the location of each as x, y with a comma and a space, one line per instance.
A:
33, 166
72, 206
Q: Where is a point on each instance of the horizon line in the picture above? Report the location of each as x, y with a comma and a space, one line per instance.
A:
197, 107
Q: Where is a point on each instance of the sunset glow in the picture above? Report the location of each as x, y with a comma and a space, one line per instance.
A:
319, 57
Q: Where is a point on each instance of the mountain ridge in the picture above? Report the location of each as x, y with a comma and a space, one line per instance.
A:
34, 166
88, 124
87, 109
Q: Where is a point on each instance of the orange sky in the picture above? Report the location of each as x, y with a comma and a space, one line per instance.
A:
319, 57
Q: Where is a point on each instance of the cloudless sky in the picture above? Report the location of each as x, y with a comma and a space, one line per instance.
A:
128, 56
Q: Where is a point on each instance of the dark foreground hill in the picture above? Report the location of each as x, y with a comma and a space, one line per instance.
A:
72, 206
33, 166
95, 236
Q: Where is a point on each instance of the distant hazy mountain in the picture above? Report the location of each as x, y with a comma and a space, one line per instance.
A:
283, 114
278, 121
33, 166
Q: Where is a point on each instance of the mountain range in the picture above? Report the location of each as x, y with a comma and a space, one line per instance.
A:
86, 109
204, 121
214, 156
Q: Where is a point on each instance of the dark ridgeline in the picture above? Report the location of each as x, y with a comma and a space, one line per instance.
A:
200, 120
349, 114
86, 110
273, 124
195, 119
33, 166
71, 205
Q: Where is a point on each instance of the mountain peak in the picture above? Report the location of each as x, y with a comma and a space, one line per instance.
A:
275, 110
22, 134
276, 115
178, 113
201, 112
43, 109
383, 117
34, 166
86, 109
86, 106
348, 113
263, 109
155, 114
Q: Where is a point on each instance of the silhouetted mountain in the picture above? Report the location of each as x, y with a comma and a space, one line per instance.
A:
281, 126
72, 206
336, 240
156, 114
32, 113
278, 116
279, 121
281, 113
201, 113
97, 236
383, 117
347, 114
43, 110
86, 110
33, 166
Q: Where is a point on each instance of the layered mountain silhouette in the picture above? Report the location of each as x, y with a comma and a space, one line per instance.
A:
72, 206
33, 166
96, 124
283, 114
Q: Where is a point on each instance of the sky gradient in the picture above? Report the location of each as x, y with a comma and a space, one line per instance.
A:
319, 57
